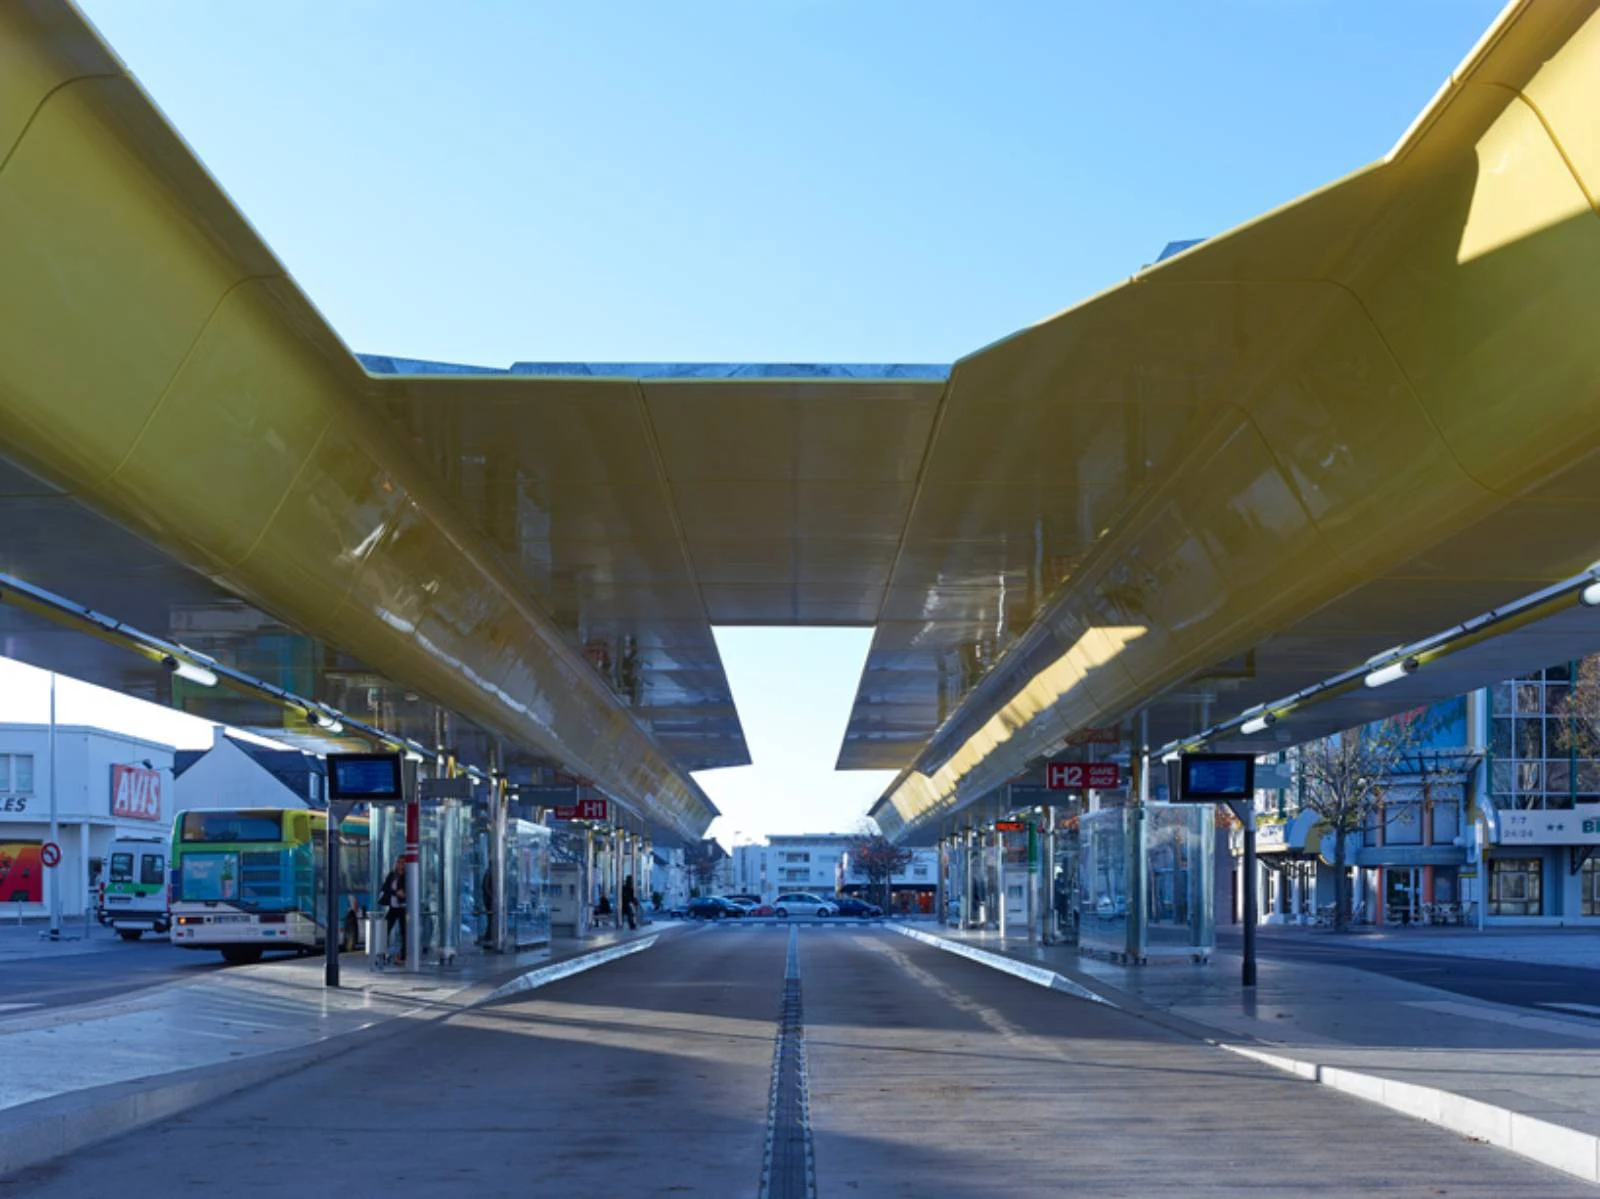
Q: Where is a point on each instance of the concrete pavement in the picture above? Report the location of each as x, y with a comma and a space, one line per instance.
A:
928, 1075
1522, 1079
72, 1073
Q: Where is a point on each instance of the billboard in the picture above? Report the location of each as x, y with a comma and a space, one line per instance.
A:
136, 793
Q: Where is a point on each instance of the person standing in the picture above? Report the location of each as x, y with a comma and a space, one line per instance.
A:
630, 902
393, 897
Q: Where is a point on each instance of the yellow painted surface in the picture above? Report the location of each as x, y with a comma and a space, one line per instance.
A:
1354, 420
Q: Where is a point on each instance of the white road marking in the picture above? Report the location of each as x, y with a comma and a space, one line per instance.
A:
1588, 1009
17, 1007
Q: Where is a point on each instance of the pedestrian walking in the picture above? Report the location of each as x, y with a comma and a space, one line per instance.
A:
393, 897
630, 902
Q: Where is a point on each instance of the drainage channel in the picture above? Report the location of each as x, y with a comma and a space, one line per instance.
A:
787, 1168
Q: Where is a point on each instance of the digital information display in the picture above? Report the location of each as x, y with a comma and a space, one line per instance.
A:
1214, 777
365, 778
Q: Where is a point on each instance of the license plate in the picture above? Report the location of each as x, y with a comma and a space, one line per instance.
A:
230, 919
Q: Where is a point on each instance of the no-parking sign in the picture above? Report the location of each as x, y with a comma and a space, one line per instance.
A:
50, 853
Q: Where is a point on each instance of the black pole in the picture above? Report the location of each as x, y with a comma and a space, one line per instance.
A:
331, 931
1249, 971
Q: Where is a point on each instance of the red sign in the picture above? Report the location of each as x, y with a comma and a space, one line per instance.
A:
50, 853
1078, 776
584, 809
1009, 826
135, 793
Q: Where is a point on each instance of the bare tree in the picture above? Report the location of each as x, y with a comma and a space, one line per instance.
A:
880, 859
1579, 729
701, 858
1345, 777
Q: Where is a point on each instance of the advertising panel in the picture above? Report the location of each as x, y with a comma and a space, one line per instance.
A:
136, 793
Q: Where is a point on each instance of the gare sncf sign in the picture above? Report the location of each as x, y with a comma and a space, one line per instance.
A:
1080, 776
135, 793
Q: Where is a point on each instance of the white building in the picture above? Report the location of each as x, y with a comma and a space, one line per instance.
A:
819, 862
106, 785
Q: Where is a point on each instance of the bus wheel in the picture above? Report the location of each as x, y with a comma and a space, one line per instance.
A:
241, 955
130, 934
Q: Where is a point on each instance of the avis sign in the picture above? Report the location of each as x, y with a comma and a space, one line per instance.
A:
135, 793
1080, 776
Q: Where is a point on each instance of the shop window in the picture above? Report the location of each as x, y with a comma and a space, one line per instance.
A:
1446, 821
1402, 824
16, 773
1516, 887
1591, 887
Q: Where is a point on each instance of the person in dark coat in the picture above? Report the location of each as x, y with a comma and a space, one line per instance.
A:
630, 902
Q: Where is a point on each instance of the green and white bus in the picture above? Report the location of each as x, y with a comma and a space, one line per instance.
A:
246, 880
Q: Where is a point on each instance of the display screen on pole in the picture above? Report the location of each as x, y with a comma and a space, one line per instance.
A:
1207, 777
365, 778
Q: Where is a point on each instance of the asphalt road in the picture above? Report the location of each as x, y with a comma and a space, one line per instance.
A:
928, 1075
32, 984
1523, 984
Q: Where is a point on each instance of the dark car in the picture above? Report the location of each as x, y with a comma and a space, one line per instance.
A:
714, 907
849, 905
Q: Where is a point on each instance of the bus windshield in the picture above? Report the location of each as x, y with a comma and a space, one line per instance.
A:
232, 826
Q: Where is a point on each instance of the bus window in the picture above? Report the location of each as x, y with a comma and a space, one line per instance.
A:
232, 826
152, 869
122, 867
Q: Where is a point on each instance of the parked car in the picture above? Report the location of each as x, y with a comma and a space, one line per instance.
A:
802, 903
763, 909
849, 905
714, 907
745, 899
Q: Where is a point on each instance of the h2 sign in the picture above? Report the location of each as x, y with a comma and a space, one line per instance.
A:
1080, 776
135, 793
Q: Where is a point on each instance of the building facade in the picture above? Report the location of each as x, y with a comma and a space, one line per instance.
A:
106, 785
1493, 818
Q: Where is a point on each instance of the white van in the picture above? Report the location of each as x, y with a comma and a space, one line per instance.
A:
133, 897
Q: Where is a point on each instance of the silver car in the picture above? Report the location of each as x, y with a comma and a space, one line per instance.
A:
803, 903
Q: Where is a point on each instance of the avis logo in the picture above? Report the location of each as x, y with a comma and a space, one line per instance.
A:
135, 793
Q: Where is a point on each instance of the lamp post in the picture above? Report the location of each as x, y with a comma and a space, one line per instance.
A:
55, 827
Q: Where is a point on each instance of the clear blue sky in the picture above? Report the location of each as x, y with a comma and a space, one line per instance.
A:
758, 180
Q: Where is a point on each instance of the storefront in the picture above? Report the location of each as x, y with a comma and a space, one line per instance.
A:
106, 786
1544, 867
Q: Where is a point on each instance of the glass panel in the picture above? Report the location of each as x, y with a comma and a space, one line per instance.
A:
1529, 738
152, 869
1402, 824
1530, 698
1558, 777
1515, 887
1591, 887
1500, 699
1529, 775
1501, 781
122, 867
1500, 737
1588, 778
231, 826
22, 772
1446, 820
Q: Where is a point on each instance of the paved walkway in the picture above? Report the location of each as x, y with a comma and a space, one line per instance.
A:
1525, 1064
928, 1075
60, 1062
